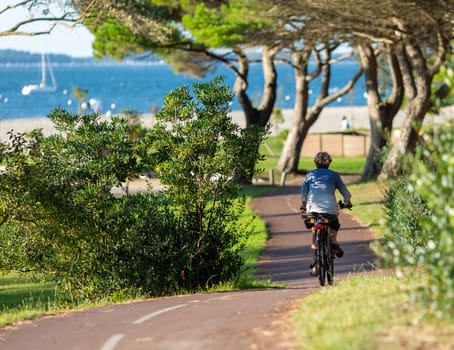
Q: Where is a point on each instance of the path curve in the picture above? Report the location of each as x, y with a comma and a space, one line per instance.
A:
251, 319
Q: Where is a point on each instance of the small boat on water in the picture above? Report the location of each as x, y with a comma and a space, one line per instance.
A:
42, 87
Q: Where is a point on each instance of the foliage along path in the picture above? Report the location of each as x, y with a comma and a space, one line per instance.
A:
250, 319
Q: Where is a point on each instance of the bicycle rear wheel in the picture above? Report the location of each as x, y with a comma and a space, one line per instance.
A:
321, 257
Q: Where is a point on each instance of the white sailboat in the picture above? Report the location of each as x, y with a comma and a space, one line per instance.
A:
42, 87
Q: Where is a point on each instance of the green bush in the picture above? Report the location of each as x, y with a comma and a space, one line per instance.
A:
420, 216
56, 201
402, 206
197, 152
58, 215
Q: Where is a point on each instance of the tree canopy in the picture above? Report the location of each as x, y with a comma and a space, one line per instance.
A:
35, 17
194, 36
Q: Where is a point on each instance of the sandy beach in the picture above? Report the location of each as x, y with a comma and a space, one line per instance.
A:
329, 121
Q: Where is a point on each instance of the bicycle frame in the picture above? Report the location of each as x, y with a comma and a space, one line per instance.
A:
324, 252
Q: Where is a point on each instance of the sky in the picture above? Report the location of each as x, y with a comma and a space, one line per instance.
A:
74, 41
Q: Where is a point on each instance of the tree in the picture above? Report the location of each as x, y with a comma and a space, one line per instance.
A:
274, 36
409, 28
235, 26
212, 27
417, 33
38, 17
418, 73
305, 115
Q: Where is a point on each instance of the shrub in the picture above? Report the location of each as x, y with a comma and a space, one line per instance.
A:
420, 215
56, 200
58, 215
402, 206
197, 151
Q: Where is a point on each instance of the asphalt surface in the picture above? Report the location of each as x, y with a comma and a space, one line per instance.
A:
251, 319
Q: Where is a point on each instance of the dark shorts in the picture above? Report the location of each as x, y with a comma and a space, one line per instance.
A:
333, 222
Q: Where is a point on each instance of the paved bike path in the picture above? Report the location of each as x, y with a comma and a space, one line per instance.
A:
253, 319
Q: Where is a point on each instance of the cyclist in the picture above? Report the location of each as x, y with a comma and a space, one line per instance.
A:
318, 196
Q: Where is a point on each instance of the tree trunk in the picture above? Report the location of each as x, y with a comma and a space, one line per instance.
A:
305, 117
417, 78
381, 114
289, 158
261, 115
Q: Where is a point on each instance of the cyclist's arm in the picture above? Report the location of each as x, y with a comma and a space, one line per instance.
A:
344, 191
304, 194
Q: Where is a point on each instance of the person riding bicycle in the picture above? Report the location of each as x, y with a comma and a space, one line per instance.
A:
318, 196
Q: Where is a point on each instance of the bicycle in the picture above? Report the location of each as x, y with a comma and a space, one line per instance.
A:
325, 254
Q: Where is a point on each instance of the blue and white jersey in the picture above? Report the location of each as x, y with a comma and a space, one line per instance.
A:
319, 188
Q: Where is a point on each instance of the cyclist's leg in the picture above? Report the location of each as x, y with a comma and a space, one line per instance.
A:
333, 236
313, 266
333, 230
314, 244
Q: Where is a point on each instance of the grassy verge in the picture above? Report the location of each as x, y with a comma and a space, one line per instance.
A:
348, 322
369, 312
23, 297
368, 199
253, 244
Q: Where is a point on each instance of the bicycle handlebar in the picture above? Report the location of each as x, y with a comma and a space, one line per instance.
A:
342, 205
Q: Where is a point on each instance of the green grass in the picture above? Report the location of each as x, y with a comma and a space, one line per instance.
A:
354, 313
23, 297
254, 244
368, 199
272, 149
343, 165
369, 312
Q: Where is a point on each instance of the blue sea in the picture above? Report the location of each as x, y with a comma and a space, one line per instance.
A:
140, 86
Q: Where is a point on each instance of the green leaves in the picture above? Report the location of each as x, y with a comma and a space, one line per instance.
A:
197, 151
58, 215
225, 26
195, 141
420, 216
55, 194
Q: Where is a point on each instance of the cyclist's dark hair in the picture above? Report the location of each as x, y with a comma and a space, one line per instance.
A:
322, 160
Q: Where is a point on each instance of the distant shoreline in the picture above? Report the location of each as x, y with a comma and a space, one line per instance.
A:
329, 121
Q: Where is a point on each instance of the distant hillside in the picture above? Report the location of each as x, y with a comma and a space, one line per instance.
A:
14, 57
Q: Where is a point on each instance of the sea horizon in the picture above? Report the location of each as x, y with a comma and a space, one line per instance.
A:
141, 87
